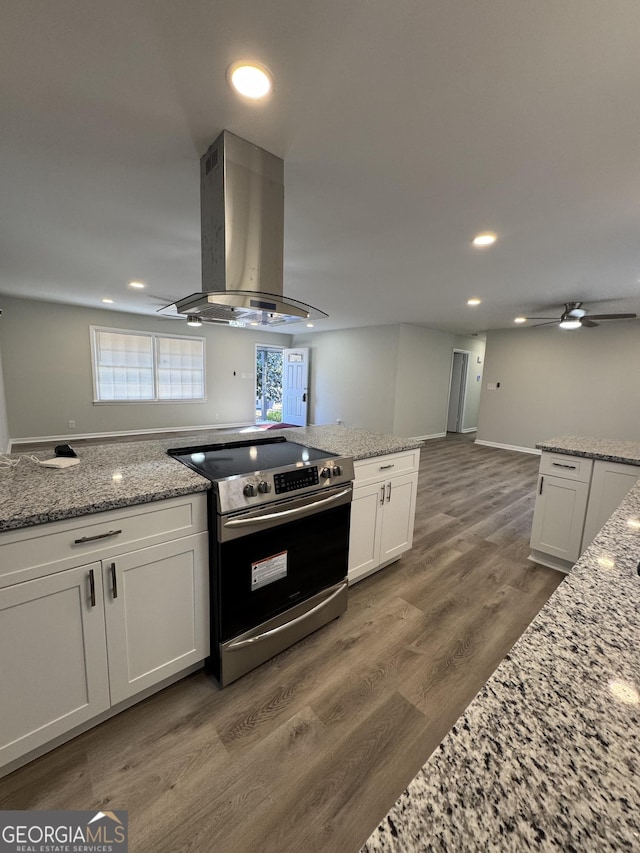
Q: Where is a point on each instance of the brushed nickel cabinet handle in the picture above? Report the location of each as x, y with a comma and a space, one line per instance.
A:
382, 493
98, 536
563, 465
92, 588
384, 467
114, 581
541, 482
388, 492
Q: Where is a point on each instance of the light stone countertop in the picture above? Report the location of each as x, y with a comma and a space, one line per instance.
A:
607, 449
111, 476
547, 755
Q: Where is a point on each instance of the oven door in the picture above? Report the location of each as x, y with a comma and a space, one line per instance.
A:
269, 560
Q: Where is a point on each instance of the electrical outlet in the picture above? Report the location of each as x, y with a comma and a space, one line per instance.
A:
72, 424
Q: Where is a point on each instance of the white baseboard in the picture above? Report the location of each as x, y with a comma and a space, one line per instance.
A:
69, 437
427, 437
508, 447
470, 429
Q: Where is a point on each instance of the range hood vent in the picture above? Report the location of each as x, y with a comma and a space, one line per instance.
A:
242, 221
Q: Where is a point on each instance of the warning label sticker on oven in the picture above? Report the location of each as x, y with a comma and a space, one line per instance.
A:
268, 570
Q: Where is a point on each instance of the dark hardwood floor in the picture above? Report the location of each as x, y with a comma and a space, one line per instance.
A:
308, 752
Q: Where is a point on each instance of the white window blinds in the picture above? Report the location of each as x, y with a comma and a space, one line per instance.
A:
144, 367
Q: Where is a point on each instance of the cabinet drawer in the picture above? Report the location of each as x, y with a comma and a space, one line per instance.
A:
46, 548
384, 467
567, 467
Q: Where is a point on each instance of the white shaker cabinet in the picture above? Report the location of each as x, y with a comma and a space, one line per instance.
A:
156, 613
561, 505
94, 611
53, 658
382, 511
610, 483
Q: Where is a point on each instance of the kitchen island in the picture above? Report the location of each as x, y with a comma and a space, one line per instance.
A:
111, 476
547, 756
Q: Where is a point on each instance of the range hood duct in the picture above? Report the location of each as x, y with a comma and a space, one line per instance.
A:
242, 219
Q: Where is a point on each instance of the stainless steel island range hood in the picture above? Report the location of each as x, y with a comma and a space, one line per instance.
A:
242, 221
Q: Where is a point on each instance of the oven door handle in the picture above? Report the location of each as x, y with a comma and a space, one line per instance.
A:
249, 641
287, 513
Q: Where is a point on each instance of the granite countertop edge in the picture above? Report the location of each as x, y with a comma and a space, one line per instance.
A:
123, 474
608, 450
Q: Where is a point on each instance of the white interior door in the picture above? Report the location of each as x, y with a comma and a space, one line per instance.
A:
457, 391
295, 386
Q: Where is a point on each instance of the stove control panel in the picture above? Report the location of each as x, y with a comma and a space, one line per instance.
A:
290, 481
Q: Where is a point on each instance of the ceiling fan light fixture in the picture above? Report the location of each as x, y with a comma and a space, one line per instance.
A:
570, 324
520, 320
192, 320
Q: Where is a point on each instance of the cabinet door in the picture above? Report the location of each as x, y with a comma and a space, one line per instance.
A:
157, 613
611, 482
364, 536
53, 660
558, 518
399, 516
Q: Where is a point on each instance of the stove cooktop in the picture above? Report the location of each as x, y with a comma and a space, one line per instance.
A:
218, 461
263, 470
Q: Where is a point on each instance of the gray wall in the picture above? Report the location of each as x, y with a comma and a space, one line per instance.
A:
387, 378
47, 371
4, 422
554, 382
352, 377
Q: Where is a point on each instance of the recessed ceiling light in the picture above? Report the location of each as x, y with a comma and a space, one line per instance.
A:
250, 79
192, 320
520, 320
487, 238
137, 284
309, 325
474, 301
108, 301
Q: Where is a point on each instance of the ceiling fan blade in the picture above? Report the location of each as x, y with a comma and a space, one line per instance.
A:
588, 322
543, 318
612, 316
549, 322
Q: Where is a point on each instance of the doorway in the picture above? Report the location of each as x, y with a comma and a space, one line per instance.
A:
457, 390
282, 377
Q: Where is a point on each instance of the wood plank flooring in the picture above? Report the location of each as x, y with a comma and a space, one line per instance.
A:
308, 752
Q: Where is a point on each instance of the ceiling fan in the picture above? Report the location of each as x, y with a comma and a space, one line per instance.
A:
575, 316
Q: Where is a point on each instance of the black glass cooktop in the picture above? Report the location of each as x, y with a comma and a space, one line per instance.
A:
217, 461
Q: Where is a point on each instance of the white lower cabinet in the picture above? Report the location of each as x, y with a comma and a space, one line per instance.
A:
53, 658
382, 512
610, 483
576, 496
558, 519
156, 613
78, 640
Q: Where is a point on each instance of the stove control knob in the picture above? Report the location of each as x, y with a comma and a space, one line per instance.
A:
249, 491
337, 470
326, 472
264, 487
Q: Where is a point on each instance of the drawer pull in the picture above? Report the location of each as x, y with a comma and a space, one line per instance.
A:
92, 588
563, 465
99, 536
384, 467
114, 581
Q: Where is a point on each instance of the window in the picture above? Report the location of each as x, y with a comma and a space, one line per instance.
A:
146, 367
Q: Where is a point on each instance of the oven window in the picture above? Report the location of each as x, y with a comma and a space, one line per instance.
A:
258, 576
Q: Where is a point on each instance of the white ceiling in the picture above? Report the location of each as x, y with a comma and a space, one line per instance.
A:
406, 127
